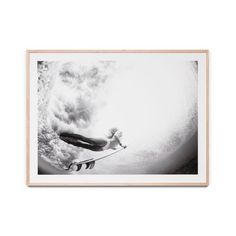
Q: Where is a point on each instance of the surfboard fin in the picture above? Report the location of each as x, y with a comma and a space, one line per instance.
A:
87, 165
79, 166
92, 164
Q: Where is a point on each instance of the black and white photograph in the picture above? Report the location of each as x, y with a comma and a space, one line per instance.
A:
117, 117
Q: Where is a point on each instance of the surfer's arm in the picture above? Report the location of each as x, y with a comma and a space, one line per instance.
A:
118, 140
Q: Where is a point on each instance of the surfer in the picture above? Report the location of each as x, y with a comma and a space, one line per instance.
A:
111, 141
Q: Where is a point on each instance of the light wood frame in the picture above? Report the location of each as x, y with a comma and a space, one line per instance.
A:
28, 183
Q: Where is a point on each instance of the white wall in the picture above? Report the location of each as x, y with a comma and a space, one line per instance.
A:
118, 25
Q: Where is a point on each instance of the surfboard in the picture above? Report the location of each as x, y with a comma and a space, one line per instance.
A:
90, 163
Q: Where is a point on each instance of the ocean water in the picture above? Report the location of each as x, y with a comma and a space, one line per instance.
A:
154, 105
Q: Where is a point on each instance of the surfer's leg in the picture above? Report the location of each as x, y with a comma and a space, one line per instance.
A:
98, 141
76, 136
68, 135
87, 146
77, 143
68, 140
90, 147
93, 141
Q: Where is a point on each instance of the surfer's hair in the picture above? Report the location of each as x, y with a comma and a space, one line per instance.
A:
111, 132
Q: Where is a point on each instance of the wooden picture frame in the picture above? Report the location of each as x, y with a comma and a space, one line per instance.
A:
158, 98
